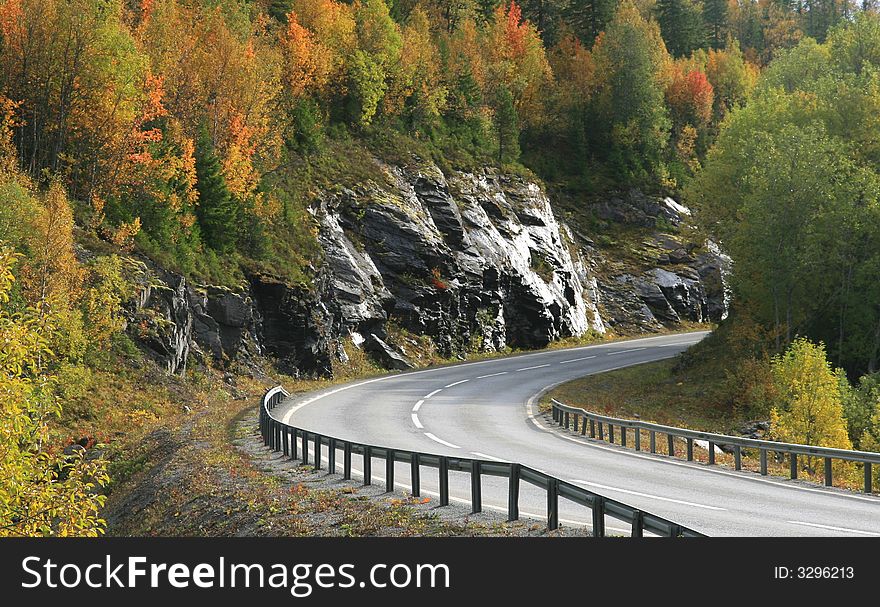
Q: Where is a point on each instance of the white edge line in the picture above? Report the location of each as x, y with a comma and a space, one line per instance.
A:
830, 528
648, 495
484, 456
415, 420
530, 413
460, 500
441, 441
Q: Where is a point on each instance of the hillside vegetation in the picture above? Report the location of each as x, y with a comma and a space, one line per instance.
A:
198, 134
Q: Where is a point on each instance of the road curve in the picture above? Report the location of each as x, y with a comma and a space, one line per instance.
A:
485, 409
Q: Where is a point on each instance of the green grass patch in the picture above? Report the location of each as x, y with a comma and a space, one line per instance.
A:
654, 392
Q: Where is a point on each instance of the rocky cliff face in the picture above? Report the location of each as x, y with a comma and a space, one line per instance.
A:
474, 261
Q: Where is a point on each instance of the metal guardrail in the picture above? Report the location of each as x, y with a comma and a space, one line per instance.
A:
577, 418
294, 443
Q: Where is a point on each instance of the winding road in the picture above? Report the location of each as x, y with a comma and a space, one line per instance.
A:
487, 409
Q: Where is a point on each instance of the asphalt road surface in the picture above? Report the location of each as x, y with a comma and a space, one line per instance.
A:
487, 409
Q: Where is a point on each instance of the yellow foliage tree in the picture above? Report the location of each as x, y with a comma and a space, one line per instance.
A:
809, 406
41, 493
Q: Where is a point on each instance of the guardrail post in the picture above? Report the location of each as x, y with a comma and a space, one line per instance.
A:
305, 447
575, 422
601, 432
828, 479
346, 461
737, 457
317, 452
690, 449
711, 453
638, 435
476, 487
293, 447
415, 475
389, 471
271, 434
331, 456
443, 470
638, 524
653, 441
513, 493
555, 412
592, 428
598, 509
793, 465
584, 427
566, 420
670, 445
763, 462
368, 465
552, 504
623, 436
285, 444
674, 530
611, 433
868, 478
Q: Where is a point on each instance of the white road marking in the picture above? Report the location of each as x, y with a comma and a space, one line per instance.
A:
418, 405
441, 441
530, 413
625, 351
492, 375
535, 367
484, 456
437, 391
457, 383
574, 360
648, 495
288, 415
415, 419
829, 527
459, 500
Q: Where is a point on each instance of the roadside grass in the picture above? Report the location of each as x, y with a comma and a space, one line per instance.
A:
652, 392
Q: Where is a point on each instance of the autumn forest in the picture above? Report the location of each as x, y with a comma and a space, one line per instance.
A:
197, 132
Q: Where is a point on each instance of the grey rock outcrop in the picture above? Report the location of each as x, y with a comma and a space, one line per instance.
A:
160, 316
476, 261
388, 356
471, 260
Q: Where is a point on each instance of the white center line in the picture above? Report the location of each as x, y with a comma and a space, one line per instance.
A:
415, 420
441, 441
829, 527
484, 456
492, 375
457, 383
535, 367
418, 405
433, 393
574, 360
624, 351
654, 497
